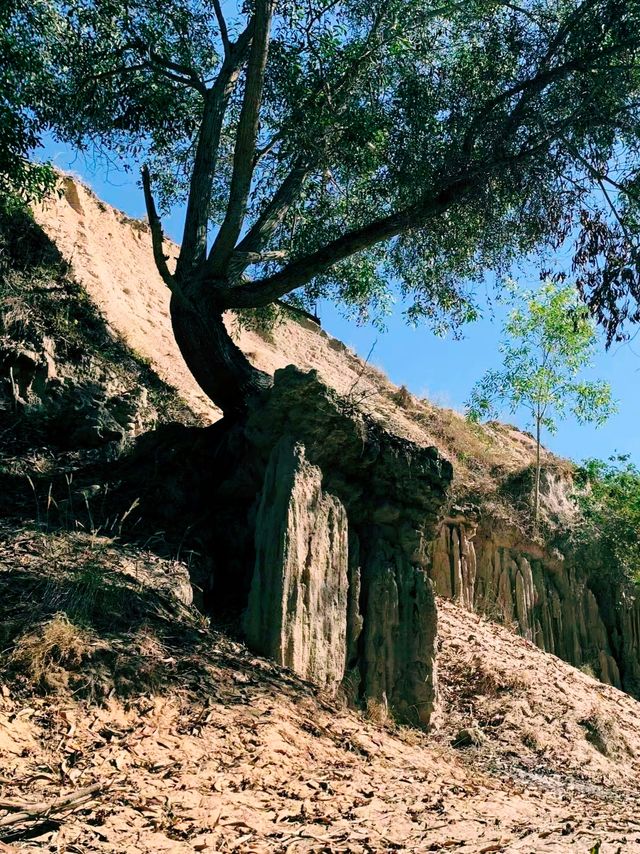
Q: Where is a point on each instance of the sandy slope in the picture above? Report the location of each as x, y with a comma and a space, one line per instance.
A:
111, 256
231, 753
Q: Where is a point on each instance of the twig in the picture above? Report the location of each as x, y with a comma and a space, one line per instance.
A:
363, 368
46, 808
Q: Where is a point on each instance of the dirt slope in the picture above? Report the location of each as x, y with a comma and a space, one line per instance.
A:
196, 745
111, 257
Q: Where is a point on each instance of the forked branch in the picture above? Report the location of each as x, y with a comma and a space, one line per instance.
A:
194, 240
157, 237
302, 270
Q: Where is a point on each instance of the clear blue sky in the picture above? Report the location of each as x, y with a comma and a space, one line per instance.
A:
444, 370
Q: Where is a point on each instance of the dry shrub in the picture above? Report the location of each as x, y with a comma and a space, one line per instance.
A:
474, 687
402, 397
588, 670
480, 680
45, 655
81, 615
600, 732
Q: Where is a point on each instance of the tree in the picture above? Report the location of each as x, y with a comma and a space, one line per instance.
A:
332, 147
547, 343
23, 88
608, 496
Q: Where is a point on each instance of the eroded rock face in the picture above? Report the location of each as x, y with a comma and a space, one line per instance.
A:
79, 404
298, 603
543, 597
627, 643
400, 624
343, 525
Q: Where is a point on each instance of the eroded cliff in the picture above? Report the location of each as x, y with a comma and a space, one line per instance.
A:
344, 519
554, 599
328, 514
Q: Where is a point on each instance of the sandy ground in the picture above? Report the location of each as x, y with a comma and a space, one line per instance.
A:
264, 765
232, 753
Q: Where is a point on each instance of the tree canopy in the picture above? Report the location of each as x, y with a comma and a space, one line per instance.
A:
608, 496
344, 148
24, 80
456, 128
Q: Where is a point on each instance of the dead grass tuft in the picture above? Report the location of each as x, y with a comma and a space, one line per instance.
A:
478, 680
530, 739
377, 711
45, 655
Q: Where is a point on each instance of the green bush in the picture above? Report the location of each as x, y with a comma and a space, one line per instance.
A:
609, 499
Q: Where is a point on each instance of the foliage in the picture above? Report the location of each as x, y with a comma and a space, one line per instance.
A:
608, 496
343, 146
547, 343
24, 85
606, 262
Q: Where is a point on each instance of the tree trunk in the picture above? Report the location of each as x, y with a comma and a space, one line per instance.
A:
536, 499
218, 365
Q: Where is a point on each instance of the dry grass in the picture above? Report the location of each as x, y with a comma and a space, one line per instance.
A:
46, 655
83, 614
377, 711
600, 732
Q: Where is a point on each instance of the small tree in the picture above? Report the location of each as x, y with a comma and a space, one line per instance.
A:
547, 342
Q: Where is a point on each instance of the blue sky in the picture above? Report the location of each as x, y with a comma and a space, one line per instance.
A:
442, 369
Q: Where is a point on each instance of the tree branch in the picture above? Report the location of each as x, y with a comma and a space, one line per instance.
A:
180, 73
597, 174
194, 240
224, 32
157, 237
171, 70
246, 139
30, 812
276, 210
302, 270
532, 86
262, 230
112, 72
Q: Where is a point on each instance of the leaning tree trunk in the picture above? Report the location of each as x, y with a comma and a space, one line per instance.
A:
218, 365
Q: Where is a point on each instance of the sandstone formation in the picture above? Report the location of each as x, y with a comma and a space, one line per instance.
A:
545, 597
298, 604
343, 525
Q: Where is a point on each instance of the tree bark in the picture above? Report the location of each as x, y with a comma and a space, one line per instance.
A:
218, 365
536, 500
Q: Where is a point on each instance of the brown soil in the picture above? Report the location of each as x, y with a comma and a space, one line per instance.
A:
200, 746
